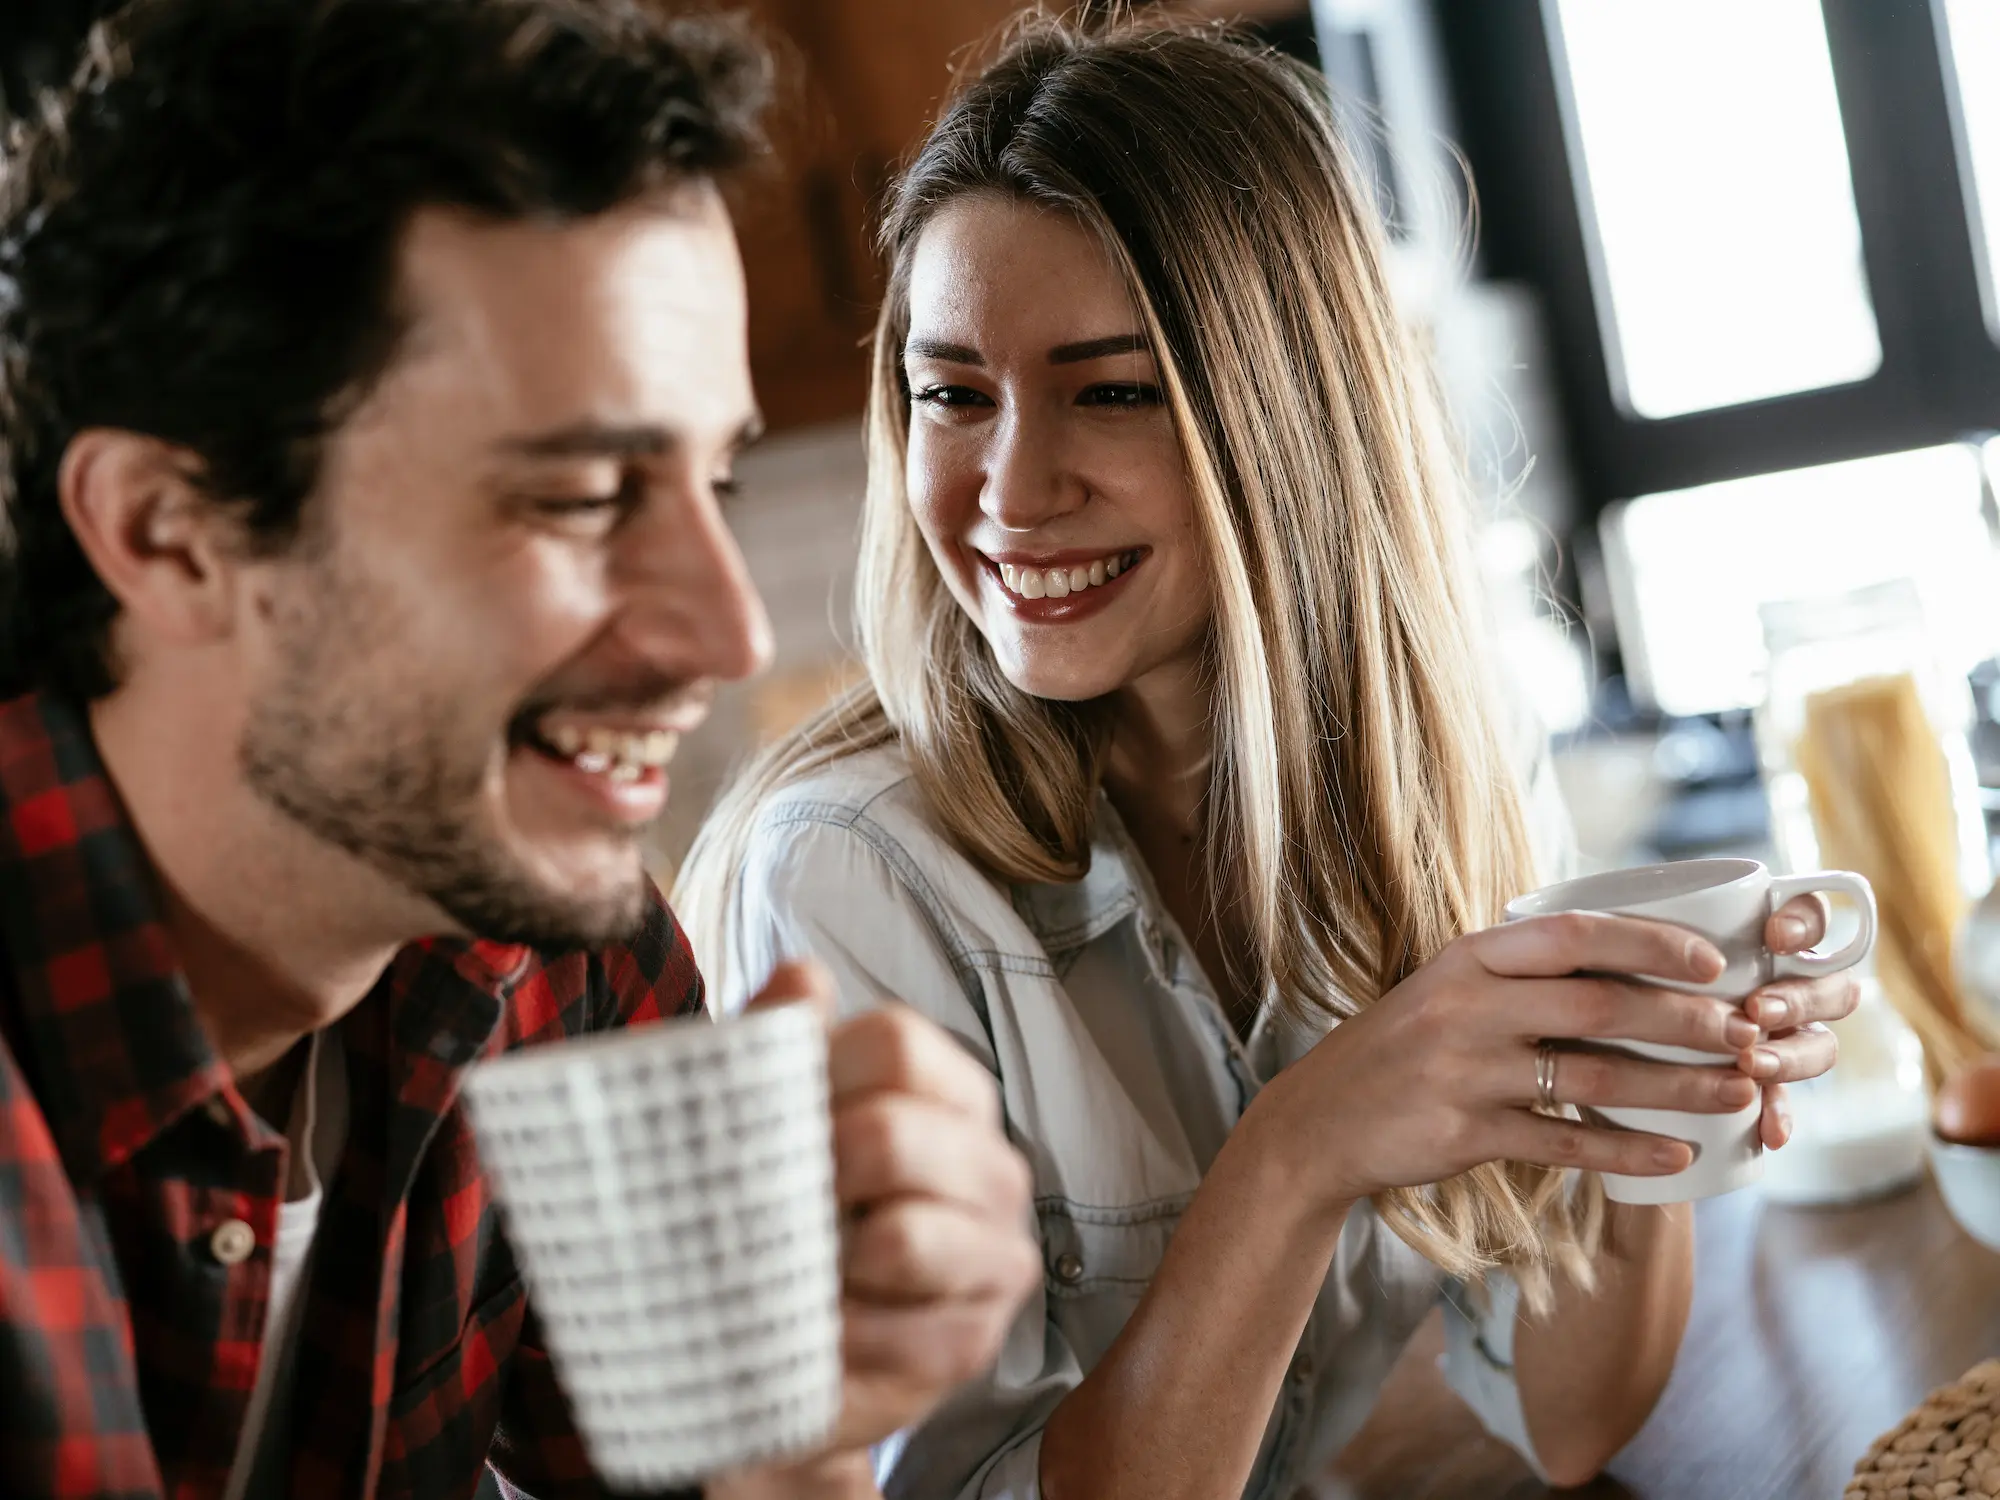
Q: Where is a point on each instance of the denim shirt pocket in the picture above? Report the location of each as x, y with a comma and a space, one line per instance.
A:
1097, 1263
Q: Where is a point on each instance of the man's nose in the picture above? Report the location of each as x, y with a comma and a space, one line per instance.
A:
692, 605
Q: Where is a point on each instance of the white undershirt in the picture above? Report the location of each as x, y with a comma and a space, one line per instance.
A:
317, 1135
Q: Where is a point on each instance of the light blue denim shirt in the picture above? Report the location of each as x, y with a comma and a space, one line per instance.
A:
1120, 1079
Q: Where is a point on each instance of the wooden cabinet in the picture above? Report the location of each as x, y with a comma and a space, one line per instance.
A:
862, 81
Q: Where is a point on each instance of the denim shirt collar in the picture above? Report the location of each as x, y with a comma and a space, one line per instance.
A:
1068, 915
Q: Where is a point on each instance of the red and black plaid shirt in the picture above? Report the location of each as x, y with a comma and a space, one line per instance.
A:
127, 1349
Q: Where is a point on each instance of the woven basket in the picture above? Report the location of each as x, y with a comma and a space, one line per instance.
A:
1948, 1447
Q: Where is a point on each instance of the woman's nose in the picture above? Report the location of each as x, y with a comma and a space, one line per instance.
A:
1028, 482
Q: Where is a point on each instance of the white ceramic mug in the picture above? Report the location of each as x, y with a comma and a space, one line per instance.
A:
1729, 902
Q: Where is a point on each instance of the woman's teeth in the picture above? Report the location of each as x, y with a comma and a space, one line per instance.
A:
622, 756
1060, 583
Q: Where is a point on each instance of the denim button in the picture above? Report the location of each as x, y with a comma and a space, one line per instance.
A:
1069, 1269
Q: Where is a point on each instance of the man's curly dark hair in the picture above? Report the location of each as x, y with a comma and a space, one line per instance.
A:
198, 238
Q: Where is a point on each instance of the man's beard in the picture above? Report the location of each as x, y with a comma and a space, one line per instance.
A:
400, 789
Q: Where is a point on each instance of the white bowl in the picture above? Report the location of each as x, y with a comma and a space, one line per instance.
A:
1969, 1178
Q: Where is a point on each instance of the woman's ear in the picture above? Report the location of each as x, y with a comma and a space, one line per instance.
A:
156, 539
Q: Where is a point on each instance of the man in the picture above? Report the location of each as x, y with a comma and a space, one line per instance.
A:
369, 374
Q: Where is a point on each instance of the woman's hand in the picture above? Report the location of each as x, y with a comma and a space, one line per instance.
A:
1439, 1075
1792, 1012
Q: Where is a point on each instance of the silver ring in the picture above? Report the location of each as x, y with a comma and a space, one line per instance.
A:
1545, 1075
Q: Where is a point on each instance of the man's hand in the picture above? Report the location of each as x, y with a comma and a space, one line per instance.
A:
826, 1476
938, 1253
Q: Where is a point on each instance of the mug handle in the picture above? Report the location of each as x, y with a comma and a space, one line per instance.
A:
1812, 966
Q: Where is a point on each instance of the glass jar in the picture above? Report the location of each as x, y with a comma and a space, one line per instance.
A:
1873, 643
1864, 742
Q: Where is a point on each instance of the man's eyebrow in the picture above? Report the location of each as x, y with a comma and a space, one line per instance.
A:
594, 440
957, 354
1117, 343
606, 440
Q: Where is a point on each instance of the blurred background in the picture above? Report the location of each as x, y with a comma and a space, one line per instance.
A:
1729, 336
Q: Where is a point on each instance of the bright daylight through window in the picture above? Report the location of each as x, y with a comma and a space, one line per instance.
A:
1730, 253
1974, 29
1692, 566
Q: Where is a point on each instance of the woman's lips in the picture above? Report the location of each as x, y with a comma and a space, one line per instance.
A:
1029, 584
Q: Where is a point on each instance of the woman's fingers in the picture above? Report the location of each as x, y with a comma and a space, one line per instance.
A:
1791, 1056
1600, 1078
1589, 1148
1797, 925
1796, 1002
1575, 942
1630, 1011
1775, 1123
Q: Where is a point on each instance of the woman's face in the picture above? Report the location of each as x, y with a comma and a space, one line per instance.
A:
1043, 465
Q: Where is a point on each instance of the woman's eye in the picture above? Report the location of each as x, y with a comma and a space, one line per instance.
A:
949, 397
1122, 393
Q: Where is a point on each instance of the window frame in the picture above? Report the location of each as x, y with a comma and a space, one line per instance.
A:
1939, 379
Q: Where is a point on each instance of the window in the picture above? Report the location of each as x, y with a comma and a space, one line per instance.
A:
1716, 180
1973, 30
1765, 239
1692, 566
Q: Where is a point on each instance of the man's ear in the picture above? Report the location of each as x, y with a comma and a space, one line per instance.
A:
154, 536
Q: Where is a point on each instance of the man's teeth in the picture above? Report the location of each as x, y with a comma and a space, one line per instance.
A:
1060, 583
622, 756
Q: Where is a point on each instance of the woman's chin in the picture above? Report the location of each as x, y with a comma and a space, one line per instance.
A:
1061, 684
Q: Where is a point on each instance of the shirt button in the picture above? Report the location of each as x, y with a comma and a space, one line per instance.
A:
1302, 1368
217, 1109
1069, 1269
232, 1242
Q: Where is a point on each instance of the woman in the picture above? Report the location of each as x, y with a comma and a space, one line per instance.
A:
1178, 747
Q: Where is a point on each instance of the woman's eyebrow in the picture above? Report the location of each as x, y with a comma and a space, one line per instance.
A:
1117, 343
1062, 354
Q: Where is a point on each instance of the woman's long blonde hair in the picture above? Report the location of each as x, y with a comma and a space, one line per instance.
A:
1364, 804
